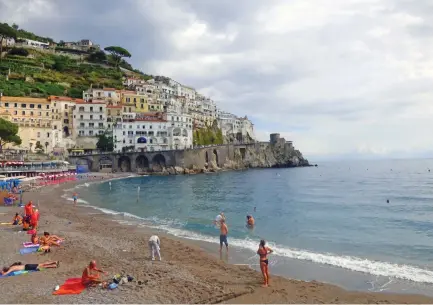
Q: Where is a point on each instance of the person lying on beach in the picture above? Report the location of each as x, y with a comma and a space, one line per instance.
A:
250, 221
34, 239
17, 220
29, 267
90, 276
264, 262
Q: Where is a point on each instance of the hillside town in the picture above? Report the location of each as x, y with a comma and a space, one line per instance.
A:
144, 116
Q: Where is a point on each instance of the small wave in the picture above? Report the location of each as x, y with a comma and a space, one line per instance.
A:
386, 269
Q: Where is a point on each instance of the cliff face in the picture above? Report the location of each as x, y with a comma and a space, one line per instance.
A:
267, 156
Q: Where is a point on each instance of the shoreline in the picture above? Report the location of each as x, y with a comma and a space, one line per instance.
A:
191, 273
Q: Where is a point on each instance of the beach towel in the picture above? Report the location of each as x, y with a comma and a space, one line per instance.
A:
71, 286
17, 273
28, 244
28, 250
31, 231
5, 223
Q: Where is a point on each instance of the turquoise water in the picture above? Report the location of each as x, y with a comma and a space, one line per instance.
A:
335, 215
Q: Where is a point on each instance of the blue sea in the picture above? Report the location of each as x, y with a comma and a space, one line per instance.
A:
363, 225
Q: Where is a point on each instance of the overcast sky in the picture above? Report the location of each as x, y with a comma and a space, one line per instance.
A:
338, 77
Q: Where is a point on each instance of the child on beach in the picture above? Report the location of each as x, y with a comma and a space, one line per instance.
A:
75, 197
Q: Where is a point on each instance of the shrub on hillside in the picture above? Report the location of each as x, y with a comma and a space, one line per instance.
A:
19, 52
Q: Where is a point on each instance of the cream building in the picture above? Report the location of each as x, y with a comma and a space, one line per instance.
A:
89, 121
34, 118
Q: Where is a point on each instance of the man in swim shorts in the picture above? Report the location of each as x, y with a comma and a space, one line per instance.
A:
224, 230
90, 277
28, 267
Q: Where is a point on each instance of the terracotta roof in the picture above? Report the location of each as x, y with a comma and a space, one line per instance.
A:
114, 106
109, 89
24, 99
64, 98
150, 120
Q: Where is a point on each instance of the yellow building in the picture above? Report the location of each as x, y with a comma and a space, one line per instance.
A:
34, 118
114, 115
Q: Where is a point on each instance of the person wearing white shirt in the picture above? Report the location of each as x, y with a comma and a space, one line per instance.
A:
154, 247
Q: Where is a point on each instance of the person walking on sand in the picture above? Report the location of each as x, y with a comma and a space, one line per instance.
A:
154, 247
264, 263
75, 197
224, 230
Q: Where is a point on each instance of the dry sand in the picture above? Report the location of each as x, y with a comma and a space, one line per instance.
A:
187, 273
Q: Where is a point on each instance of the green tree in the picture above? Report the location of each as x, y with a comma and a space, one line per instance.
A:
8, 133
15, 26
38, 146
117, 53
105, 143
6, 32
98, 56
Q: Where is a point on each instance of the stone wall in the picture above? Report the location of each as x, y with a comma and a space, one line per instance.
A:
225, 157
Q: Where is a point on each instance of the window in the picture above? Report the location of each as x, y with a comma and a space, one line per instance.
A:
91, 117
130, 109
24, 113
144, 126
81, 132
15, 105
91, 124
66, 114
55, 104
90, 132
23, 105
130, 126
81, 117
100, 117
81, 124
135, 100
151, 141
66, 107
6, 104
109, 112
32, 105
101, 124
150, 127
142, 106
15, 112
48, 106
39, 106
123, 132
130, 141
101, 132
100, 109
66, 121
48, 134
91, 109
39, 134
48, 114
31, 113
127, 99
123, 141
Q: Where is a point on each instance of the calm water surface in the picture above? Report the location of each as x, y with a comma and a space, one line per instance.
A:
335, 215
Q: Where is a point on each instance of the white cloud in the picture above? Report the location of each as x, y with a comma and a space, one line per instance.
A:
349, 77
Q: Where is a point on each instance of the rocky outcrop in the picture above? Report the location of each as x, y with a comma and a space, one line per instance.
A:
261, 155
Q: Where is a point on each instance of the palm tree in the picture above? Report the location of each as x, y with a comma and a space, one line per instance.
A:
46, 146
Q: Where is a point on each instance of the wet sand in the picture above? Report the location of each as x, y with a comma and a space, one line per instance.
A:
187, 274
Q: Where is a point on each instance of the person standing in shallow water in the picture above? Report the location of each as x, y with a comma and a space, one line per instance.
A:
224, 230
264, 262
75, 197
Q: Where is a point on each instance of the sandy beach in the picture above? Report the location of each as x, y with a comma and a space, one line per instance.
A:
187, 274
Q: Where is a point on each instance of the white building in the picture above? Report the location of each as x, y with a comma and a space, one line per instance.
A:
62, 122
181, 90
89, 119
242, 128
35, 43
109, 95
154, 132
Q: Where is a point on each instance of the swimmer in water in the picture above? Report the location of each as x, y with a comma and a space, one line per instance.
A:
264, 262
75, 197
250, 221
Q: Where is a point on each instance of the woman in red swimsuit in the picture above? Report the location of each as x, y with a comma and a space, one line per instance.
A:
263, 253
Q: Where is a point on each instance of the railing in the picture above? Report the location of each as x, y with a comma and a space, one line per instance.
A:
33, 169
168, 150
